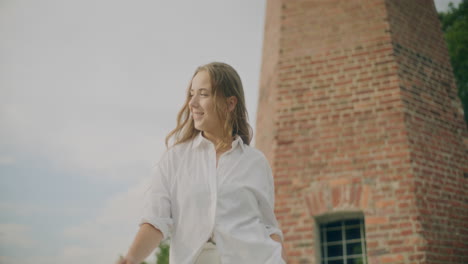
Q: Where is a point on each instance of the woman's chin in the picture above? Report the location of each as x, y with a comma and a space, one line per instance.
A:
198, 126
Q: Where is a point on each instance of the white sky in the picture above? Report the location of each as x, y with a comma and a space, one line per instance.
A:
88, 91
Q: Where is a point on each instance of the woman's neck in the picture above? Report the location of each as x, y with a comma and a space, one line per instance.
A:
215, 139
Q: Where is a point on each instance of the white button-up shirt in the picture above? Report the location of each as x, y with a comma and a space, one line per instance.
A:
190, 199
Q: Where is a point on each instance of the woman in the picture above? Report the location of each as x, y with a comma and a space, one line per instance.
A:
211, 192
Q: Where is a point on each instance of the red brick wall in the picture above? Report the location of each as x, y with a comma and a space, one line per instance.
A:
339, 133
436, 130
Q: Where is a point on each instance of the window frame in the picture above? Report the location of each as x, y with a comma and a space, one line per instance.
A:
342, 217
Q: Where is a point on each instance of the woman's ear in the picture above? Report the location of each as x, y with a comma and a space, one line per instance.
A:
231, 103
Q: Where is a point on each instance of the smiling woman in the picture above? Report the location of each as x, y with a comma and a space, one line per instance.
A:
215, 99
211, 192
202, 104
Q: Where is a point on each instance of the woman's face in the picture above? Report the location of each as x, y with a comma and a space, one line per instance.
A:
202, 103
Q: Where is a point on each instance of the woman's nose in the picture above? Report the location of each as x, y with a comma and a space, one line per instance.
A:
193, 101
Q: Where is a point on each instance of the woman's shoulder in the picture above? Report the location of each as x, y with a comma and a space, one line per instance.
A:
174, 153
253, 153
255, 161
179, 149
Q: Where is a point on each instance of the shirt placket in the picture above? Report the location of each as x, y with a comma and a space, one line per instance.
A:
213, 187
214, 179
213, 192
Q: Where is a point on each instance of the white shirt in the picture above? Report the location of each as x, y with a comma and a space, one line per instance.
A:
191, 199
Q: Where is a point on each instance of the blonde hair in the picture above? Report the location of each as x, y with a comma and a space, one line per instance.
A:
225, 82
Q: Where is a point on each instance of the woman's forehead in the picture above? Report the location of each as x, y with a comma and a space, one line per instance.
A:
201, 81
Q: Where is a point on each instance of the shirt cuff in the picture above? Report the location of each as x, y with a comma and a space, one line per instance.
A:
162, 224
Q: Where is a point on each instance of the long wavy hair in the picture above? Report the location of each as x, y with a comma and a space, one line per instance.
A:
225, 82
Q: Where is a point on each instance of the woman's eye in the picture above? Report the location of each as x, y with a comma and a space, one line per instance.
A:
204, 94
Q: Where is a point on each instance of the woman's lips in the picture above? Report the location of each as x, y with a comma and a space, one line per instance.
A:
197, 115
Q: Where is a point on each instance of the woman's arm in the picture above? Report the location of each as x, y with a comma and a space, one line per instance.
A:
266, 200
146, 240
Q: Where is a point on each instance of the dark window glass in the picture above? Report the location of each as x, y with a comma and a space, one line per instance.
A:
353, 233
340, 261
335, 251
353, 222
333, 224
355, 261
334, 235
354, 248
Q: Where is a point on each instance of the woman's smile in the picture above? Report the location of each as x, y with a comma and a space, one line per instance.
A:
197, 115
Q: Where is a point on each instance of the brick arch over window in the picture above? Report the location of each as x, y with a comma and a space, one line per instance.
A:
337, 195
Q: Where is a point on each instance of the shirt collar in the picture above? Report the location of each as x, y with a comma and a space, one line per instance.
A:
200, 140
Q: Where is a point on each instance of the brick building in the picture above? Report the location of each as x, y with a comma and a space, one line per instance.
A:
368, 143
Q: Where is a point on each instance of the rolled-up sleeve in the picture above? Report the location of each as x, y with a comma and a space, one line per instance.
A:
267, 205
157, 202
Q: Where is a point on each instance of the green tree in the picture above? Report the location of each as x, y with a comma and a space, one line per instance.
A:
455, 28
163, 256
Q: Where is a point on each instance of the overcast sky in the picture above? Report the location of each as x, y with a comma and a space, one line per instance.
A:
88, 91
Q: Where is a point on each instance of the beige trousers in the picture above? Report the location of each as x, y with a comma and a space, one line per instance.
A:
209, 255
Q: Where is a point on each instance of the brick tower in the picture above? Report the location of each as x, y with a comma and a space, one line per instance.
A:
368, 143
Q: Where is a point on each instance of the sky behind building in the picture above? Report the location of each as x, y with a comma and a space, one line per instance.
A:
88, 92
